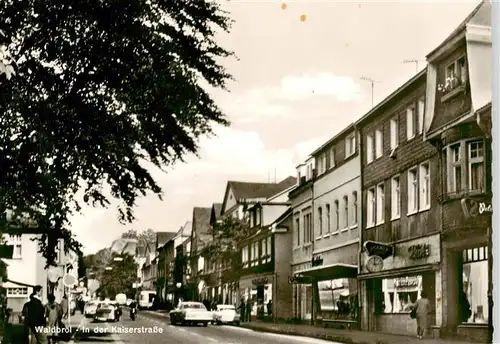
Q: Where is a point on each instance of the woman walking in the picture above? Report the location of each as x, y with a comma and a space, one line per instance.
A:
53, 315
422, 310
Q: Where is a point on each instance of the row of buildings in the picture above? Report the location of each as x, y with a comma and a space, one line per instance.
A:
397, 203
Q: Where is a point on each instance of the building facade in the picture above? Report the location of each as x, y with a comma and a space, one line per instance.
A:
458, 124
200, 238
400, 173
301, 199
335, 240
265, 258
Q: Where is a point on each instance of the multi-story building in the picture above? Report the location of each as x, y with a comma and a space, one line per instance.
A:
401, 223
26, 269
301, 198
180, 262
165, 257
150, 266
237, 196
458, 124
335, 211
200, 237
264, 267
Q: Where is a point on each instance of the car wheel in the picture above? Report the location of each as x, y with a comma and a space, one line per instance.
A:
237, 323
205, 324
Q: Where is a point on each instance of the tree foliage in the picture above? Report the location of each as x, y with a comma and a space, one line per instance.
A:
101, 90
144, 237
224, 250
82, 267
120, 279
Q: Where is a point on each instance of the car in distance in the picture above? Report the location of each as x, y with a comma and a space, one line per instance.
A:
105, 312
226, 314
191, 313
90, 309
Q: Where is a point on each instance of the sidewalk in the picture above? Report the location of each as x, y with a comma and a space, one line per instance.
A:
343, 336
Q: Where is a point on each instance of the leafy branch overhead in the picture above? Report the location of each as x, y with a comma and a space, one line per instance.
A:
101, 92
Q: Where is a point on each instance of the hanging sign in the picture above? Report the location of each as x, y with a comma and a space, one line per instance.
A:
472, 207
378, 249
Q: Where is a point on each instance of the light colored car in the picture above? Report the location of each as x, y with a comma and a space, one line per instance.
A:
188, 313
90, 309
226, 314
105, 312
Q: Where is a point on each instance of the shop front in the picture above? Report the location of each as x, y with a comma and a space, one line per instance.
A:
393, 277
302, 293
334, 287
467, 272
258, 290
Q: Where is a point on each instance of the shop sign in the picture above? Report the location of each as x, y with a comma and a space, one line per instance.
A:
317, 261
299, 280
378, 249
405, 282
473, 208
260, 281
419, 251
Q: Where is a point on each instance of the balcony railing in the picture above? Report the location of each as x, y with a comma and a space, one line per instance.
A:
452, 86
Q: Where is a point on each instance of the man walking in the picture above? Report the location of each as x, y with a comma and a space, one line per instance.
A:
35, 317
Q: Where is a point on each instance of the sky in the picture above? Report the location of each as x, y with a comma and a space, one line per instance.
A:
298, 82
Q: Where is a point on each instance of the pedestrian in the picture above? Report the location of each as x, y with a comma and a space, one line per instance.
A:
249, 310
35, 317
64, 306
24, 314
465, 308
422, 310
241, 309
53, 315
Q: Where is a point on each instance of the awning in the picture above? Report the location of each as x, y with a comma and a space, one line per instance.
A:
332, 271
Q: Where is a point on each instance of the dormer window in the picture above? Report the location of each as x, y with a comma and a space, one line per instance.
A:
350, 145
455, 76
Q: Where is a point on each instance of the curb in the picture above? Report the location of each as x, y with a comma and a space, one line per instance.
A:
328, 337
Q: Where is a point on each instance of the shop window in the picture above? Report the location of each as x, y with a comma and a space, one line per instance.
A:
397, 295
474, 300
338, 298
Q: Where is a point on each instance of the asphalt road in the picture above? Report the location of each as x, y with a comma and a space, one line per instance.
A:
156, 330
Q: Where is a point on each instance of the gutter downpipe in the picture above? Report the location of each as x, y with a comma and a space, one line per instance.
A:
313, 281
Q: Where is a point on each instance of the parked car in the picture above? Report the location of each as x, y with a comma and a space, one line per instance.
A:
226, 314
188, 313
105, 312
90, 309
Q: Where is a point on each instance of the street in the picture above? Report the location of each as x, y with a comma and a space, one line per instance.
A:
153, 330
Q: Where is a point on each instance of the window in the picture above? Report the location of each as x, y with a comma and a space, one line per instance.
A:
244, 257
297, 230
455, 164
263, 250
346, 212
395, 198
17, 242
258, 216
339, 296
410, 123
255, 253
380, 204
354, 208
412, 191
397, 295
328, 219
17, 292
474, 300
332, 157
458, 70
321, 162
269, 249
308, 235
394, 133
476, 165
425, 186
320, 220
379, 143
369, 149
421, 112
337, 216
370, 208
350, 146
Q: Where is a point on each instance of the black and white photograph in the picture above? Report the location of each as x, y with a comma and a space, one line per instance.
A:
248, 171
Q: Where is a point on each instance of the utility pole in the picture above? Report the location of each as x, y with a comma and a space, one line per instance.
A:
415, 61
372, 84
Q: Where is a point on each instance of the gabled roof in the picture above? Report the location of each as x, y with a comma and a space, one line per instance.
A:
215, 213
250, 190
283, 217
481, 15
163, 237
185, 230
